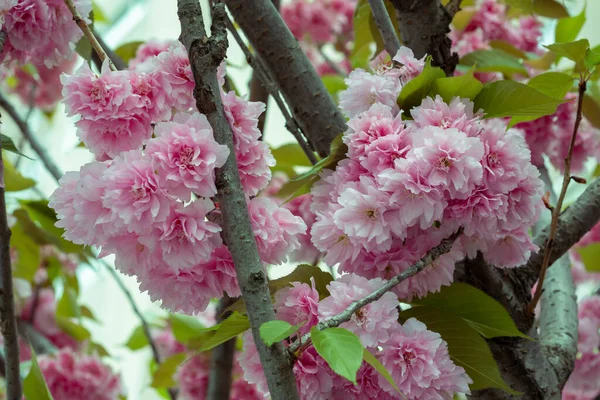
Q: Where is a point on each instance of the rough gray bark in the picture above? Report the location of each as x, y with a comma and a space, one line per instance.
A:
310, 103
385, 26
205, 56
221, 361
424, 27
8, 323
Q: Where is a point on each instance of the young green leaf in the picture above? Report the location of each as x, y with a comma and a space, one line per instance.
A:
574, 51
553, 84
127, 51
494, 60
590, 256
363, 34
550, 9
591, 59
507, 48
483, 313
289, 156
185, 328
8, 145
67, 305
334, 84
163, 376
591, 110
463, 86
29, 253
137, 340
34, 384
466, 346
379, 367
275, 331
13, 180
72, 328
568, 28
340, 348
413, 93
228, 329
509, 98
304, 273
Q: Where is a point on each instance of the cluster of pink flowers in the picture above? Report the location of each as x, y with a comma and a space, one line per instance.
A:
316, 23
72, 376
583, 383
491, 22
148, 197
417, 358
551, 135
407, 184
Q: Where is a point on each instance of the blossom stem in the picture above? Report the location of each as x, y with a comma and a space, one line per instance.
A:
205, 56
385, 26
300, 85
419, 266
558, 207
267, 82
87, 31
8, 321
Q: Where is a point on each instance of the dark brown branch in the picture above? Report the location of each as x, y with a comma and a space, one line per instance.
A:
424, 27
205, 56
114, 57
313, 108
221, 360
558, 207
8, 322
385, 26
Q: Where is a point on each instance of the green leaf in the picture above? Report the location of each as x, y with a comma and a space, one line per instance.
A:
544, 62
289, 156
296, 188
553, 84
524, 5
28, 253
591, 110
413, 93
509, 98
550, 9
34, 384
275, 331
7, 144
463, 86
466, 347
591, 59
72, 328
163, 376
462, 19
334, 84
84, 49
340, 348
590, 256
379, 367
574, 51
507, 48
363, 34
67, 305
228, 329
86, 312
185, 327
568, 28
483, 313
99, 15
13, 179
494, 60
127, 51
137, 340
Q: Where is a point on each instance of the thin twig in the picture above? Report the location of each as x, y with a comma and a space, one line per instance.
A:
385, 26
88, 33
256, 63
35, 145
112, 56
557, 208
8, 321
332, 64
39, 342
419, 266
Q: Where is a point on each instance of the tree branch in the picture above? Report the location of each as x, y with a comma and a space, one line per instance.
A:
266, 82
221, 362
385, 26
420, 265
561, 197
8, 321
316, 113
205, 56
88, 33
424, 27
112, 56
39, 342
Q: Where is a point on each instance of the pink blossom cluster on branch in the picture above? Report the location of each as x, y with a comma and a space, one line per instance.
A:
148, 197
407, 184
417, 358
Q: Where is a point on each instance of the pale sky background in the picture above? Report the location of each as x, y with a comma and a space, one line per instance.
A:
142, 20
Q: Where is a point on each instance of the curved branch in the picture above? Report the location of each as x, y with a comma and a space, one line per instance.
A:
310, 103
385, 26
205, 56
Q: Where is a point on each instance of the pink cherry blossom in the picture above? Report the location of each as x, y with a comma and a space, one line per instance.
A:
298, 303
367, 387
165, 342
175, 76
186, 155
151, 98
300, 207
457, 114
420, 365
147, 51
365, 89
411, 67
72, 376
193, 377
314, 378
370, 323
275, 229
134, 192
249, 360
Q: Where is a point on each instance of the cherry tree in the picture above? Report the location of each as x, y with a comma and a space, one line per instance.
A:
427, 205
